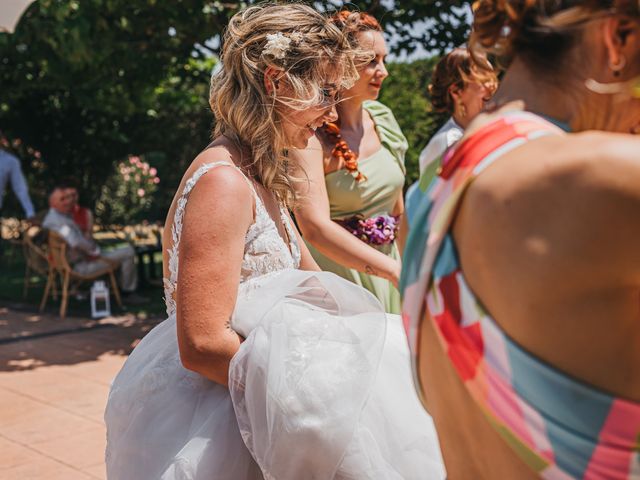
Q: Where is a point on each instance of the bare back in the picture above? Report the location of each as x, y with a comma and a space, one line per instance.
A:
547, 238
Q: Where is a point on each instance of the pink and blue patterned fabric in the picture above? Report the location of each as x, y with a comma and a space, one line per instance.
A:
561, 427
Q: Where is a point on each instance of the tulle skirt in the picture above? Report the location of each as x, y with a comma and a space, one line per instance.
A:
320, 389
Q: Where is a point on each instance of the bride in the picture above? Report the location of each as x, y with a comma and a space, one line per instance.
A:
265, 367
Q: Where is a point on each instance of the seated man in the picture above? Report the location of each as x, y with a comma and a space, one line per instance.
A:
84, 253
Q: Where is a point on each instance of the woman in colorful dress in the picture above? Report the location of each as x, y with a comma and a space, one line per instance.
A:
522, 277
349, 210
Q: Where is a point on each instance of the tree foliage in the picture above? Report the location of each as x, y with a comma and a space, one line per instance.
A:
435, 25
87, 83
405, 92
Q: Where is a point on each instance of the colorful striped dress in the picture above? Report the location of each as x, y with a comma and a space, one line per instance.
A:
559, 426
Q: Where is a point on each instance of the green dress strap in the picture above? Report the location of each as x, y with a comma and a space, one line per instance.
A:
388, 130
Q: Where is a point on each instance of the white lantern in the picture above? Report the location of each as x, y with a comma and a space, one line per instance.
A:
100, 305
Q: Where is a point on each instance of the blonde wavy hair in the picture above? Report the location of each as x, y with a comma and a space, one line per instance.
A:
246, 112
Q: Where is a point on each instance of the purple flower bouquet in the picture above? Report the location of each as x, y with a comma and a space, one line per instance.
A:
380, 230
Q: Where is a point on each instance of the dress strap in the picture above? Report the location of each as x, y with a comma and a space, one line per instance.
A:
460, 167
559, 426
176, 228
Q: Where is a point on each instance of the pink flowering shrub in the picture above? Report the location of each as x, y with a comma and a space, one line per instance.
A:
128, 194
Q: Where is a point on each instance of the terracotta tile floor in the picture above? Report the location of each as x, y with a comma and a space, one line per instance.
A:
54, 380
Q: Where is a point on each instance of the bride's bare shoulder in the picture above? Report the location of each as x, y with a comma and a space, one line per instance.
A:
217, 151
222, 191
222, 181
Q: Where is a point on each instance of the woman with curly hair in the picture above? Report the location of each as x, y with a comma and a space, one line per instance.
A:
522, 276
459, 87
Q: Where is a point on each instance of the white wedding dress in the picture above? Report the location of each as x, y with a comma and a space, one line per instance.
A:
320, 389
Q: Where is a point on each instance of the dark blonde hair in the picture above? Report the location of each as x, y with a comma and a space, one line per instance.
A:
249, 115
457, 68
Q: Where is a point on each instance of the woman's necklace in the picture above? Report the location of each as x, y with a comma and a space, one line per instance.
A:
341, 151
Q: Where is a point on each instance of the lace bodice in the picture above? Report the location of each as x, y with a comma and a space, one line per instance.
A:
264, 249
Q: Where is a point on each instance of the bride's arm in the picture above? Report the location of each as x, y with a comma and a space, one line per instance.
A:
217, 217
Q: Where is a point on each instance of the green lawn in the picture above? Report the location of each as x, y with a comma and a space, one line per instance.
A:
12, 281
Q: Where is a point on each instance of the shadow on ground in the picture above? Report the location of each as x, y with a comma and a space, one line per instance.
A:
29, 340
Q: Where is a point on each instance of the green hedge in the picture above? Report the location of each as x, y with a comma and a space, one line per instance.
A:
405, 92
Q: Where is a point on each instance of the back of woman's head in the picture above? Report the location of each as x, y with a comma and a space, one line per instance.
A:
457, 69
541, 32
306, 49
352, 24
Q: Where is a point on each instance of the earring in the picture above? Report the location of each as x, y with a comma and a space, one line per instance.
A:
618, 67
272, 85
463, 109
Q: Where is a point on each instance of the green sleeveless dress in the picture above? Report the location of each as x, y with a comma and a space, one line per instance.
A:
375, 196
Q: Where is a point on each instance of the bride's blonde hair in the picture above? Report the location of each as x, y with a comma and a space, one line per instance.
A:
304, 46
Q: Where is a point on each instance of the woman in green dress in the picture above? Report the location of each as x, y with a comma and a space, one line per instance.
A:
348, 210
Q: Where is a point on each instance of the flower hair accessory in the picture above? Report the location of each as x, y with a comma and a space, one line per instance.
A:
278, 44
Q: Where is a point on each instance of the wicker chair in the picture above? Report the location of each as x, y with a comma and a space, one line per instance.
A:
35, 257
58, 264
